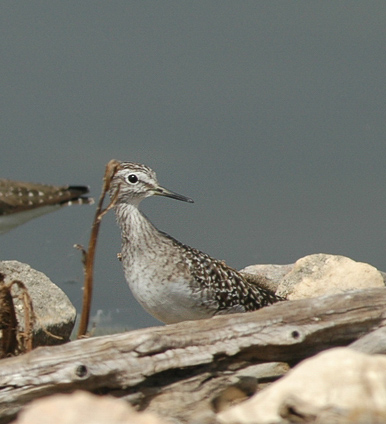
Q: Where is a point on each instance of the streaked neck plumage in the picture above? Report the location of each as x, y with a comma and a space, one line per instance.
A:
136, 228
173, 281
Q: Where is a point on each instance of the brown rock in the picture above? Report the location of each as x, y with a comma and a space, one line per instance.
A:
322, 274
339, 382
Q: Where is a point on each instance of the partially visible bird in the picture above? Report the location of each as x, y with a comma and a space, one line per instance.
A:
172, 281
22, 201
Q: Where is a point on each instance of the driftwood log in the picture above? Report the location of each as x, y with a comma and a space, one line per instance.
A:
179, 369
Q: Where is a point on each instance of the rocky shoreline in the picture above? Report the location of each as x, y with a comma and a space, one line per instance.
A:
337, 385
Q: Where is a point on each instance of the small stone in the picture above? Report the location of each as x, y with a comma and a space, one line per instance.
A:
322, 274
54, 312
85, 408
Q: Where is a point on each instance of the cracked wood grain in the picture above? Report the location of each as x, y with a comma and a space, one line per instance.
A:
189, 363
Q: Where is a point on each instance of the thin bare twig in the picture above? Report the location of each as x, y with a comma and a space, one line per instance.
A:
89, 256
26, 338
8, 321
14, 341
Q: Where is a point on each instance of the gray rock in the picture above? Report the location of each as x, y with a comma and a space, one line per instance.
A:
266, 276
54, 312
273, 273
374, 342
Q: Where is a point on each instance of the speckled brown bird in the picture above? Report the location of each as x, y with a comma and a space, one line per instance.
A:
22, 201
172, 281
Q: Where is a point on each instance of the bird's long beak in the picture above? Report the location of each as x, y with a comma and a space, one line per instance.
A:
161, 191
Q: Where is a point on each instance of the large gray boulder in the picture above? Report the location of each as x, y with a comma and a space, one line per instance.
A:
55, 314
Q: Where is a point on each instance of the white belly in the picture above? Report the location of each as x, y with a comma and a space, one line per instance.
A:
167, 301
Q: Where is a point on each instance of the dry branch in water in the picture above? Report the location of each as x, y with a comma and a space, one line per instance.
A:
89, 255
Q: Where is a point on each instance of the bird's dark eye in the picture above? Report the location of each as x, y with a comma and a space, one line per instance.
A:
132, 178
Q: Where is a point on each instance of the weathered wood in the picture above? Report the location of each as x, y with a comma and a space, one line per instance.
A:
170, 368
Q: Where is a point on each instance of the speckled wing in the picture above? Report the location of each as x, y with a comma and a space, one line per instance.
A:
223, 287
16, 196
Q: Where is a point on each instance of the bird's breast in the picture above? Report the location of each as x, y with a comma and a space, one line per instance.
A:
166, 296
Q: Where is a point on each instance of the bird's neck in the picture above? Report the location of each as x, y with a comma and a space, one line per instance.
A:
134, 225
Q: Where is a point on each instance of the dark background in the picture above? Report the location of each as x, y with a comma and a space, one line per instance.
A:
270, 115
